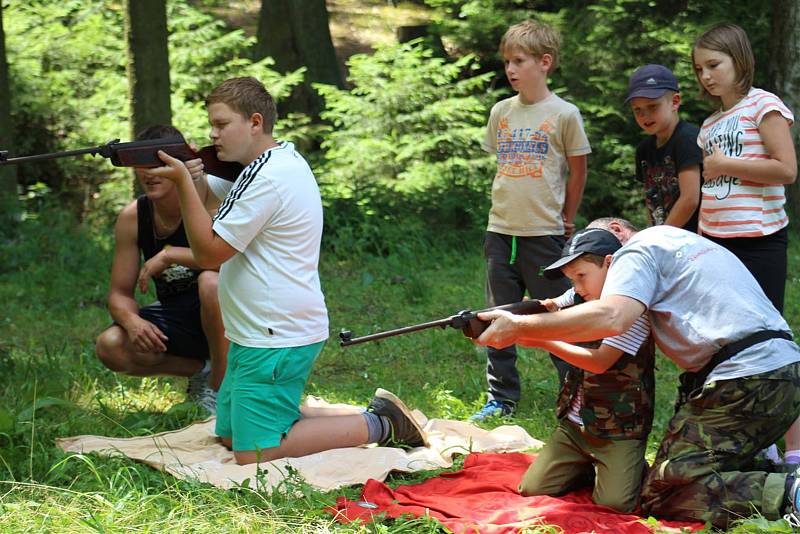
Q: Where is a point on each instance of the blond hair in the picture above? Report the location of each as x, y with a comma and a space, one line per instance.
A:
245, 96
533, 38
732, 41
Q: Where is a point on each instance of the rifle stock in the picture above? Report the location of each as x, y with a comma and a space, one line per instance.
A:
467, 321
141, 154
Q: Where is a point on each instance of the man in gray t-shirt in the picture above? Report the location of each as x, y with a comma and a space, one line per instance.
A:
741, 391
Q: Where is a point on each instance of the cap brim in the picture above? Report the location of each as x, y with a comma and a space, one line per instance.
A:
647, 93
553, 271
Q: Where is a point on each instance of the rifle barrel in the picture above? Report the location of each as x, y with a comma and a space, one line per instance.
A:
52, 155
346, 340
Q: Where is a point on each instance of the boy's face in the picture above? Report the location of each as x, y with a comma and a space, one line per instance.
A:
524, 70
587, 278
656, 115
231, 133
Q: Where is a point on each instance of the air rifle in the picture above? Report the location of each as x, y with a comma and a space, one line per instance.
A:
467, 321
141, 154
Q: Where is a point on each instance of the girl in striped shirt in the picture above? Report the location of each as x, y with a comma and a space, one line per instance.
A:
749, 157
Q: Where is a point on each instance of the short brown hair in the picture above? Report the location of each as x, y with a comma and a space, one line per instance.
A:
246, 95
596, 259
533, 38
732, 41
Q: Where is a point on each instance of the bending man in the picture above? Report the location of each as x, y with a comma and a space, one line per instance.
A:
741, 388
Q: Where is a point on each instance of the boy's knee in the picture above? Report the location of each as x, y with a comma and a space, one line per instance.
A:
621, 503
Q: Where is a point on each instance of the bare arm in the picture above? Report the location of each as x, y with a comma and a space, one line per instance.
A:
779, 168
575, 184
122, 306
689, 199
596, 361
209, 249
609, 316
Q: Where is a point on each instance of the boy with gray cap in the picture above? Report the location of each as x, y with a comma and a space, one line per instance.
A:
669, 162
605, 407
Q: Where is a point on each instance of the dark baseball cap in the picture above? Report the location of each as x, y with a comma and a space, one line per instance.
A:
589, 241
651, 81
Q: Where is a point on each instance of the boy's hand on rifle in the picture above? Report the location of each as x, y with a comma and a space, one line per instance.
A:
550, 304
502, 331
173, 169
195, 168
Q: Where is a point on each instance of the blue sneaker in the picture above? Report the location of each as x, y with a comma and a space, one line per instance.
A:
793, 517
493, 408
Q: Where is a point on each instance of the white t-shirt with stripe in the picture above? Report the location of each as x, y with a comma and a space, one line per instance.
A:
269, 292
731, 206
628, 342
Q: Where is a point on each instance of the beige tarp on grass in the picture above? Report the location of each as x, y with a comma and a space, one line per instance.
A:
195, 453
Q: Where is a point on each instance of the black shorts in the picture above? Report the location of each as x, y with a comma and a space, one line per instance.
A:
179, 319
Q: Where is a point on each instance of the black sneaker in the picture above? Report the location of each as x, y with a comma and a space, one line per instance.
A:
404, 431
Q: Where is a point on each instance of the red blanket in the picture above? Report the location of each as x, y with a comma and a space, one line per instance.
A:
483, 497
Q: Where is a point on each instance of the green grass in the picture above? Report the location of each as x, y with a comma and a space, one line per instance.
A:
53, 281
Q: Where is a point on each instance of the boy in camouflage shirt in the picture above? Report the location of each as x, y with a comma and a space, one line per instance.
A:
605, 407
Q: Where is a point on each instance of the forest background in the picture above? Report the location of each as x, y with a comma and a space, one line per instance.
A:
392, 127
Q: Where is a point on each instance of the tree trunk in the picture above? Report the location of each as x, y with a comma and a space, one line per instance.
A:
148, 63
784, 73
297, 34
8, 174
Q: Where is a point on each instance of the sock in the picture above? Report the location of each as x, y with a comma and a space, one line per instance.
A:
771, 453
206, 367
792, 456
378, 427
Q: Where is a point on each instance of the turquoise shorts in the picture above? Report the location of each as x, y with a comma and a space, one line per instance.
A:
259, 399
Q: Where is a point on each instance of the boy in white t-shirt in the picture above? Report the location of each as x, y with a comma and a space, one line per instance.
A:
266, 235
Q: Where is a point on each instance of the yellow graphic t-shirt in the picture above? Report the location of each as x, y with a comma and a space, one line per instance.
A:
532, 143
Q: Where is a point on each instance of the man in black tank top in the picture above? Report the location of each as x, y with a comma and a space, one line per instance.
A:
181, 334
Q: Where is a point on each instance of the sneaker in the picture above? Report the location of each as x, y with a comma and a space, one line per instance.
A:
793, 496
493, 408
405, 432
199, 392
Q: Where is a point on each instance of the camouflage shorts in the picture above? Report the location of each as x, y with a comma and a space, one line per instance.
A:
707, 469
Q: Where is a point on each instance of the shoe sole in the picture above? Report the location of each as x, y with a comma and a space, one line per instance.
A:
391, 397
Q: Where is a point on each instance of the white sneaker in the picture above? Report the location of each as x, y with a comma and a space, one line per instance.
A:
199, 392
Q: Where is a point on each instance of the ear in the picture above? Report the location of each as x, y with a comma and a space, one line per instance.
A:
607, 260
256, 123
546, 61
676, 101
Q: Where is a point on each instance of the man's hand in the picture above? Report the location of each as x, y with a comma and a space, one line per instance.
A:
502, 331
152, 268
174, 169
146, 337
714, 163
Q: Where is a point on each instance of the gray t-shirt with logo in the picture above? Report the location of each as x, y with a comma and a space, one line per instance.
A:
700, 297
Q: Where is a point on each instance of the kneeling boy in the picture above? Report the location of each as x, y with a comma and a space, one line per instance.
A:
266, 235
605, 407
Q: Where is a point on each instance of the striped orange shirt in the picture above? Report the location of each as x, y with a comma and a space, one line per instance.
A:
729, 205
